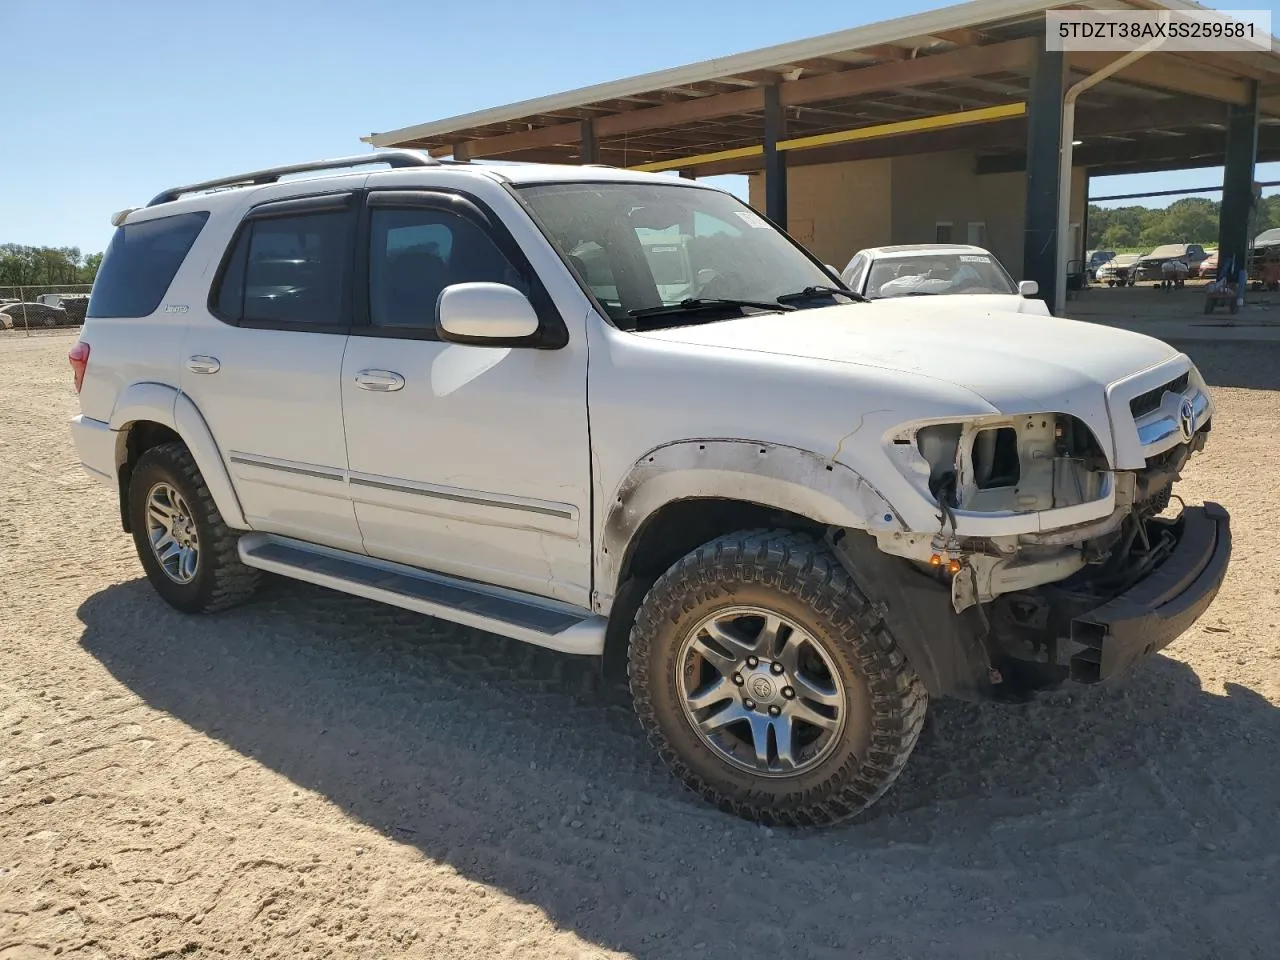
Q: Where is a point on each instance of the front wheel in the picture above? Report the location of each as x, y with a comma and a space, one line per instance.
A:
768, 683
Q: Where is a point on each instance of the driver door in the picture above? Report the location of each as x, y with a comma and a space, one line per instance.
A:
467, 460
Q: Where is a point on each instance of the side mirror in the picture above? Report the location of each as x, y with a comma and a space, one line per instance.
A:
1028, 288
483, 313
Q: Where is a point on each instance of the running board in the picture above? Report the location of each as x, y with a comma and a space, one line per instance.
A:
509, 613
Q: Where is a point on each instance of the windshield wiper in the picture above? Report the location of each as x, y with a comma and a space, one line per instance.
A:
697, 304
820, 290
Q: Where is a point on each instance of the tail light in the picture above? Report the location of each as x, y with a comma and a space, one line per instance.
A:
79, 357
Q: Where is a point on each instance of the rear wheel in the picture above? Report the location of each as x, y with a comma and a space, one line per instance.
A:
188, 551
768, 683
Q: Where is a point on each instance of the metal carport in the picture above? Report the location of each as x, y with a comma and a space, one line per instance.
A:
974, 76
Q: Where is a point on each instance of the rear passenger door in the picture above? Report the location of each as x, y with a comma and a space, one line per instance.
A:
263, 363
468, 460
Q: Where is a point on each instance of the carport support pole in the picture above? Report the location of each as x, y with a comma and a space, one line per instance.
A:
1237, 189
775, 160
1064, 163
1039, 253
589, 149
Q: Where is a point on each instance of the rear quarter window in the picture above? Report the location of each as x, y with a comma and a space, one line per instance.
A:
141, 262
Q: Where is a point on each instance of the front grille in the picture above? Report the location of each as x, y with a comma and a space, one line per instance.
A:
1149, 402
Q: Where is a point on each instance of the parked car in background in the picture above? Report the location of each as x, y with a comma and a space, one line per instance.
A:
1095, 259
1118, 271
1263, 253
1151, 266
76, 306
1209, 266
940, 269
31, 315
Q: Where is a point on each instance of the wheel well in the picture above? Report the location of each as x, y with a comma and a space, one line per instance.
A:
677, 528
142, 436
672, 531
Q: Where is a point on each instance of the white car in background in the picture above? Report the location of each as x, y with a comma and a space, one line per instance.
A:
941, 269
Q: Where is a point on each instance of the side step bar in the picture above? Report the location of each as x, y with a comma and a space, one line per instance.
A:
509, 613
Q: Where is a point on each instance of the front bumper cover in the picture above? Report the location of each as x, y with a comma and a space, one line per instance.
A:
1158, 609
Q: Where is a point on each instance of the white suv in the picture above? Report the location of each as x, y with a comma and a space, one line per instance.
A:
622, 415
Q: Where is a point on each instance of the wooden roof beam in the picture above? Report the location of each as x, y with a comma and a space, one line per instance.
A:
1164, 71
1011, 55
961, 36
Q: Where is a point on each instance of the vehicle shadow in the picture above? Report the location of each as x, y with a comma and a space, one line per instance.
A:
1081, 824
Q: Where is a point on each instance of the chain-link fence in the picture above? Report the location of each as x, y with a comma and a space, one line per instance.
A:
43, 309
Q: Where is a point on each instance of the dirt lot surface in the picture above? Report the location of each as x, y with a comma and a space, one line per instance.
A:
314, 775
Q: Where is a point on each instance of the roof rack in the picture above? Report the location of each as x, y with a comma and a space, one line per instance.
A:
392, 158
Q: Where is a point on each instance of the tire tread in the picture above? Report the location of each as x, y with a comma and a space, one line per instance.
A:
800, 565
233, 582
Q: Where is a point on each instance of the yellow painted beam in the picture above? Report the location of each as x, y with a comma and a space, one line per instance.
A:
737, 154
1002, 111
983, 115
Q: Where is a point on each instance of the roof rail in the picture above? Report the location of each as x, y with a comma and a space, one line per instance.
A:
392, 158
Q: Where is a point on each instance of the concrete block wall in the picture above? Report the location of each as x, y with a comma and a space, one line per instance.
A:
837, 209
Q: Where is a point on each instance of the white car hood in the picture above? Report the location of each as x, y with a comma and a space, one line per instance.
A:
1017, 363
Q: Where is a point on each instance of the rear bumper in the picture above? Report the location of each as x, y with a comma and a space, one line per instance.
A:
95, 444
1154, 612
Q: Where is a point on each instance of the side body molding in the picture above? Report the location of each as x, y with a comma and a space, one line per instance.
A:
172, 408
768, 474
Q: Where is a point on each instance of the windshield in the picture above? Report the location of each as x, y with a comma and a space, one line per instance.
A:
640, 246
937, 273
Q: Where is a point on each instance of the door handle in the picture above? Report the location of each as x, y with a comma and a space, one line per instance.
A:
379, 381
199, 364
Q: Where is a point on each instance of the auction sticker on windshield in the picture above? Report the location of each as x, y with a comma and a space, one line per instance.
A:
752, 219
973, 258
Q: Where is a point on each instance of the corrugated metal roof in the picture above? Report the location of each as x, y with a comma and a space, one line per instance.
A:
958, 17
916, 29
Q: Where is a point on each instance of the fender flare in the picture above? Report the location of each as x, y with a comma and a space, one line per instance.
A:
172, 408
764, 473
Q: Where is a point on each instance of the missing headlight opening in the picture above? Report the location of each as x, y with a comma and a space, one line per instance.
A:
995, 458
1023, 464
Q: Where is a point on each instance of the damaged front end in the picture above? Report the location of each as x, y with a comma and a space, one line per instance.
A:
1054, 565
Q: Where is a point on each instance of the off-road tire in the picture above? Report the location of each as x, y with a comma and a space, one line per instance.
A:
221, 580
797, 576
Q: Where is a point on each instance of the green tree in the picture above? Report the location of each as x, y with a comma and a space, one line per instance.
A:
1191, 220
22, 265
1116, 235
1154, 232
89, 269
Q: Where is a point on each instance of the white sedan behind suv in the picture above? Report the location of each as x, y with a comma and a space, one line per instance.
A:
941, 269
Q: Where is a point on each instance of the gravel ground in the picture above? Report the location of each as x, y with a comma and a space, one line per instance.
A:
317, 775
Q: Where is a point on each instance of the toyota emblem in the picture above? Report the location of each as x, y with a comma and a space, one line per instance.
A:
1187, 418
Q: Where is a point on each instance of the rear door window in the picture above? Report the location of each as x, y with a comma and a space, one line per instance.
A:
289, 270
140, 264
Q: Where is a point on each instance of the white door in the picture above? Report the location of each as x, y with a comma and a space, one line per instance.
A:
264, 367
468, 460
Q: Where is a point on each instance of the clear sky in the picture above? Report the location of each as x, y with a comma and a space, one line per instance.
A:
109, 101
